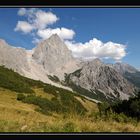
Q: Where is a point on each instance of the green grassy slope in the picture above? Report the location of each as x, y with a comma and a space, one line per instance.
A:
15, 82
27, 105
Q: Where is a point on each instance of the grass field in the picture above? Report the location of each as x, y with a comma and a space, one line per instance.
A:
17, 116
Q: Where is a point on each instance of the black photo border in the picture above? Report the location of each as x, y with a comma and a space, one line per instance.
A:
68, 4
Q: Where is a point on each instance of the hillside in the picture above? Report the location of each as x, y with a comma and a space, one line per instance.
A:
133, 78
39, 107
17, 116
43, 99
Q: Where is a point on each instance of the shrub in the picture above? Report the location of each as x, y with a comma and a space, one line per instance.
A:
69, 127
54, 78
119, 117
103, 108
20, 97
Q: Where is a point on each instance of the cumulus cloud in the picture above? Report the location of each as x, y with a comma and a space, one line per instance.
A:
22, 11
63, 33
24, 27
36, 18
97, 49
44, 18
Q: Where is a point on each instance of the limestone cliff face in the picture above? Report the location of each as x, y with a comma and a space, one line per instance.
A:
14, 58
52, 53
123, 68
96, 75
55, 57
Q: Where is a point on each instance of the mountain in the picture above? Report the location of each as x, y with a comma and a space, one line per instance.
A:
133, 78
23, 62
55, 57
123, 68
12, 57
129, 72
52, 62
52, 53
95, 75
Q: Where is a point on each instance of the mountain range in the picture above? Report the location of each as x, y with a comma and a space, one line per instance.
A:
52, 62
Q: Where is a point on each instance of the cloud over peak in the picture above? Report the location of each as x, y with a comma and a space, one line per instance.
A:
97, 49
38, 21
63, 33
37, 25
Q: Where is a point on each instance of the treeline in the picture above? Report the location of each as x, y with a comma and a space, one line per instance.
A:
15, 82
130, 108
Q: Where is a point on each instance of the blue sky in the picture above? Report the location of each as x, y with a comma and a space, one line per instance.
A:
118, 25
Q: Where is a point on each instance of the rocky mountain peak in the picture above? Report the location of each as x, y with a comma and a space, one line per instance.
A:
96, 61
53, 41
123, 68
54, 37
93, 64
52, 53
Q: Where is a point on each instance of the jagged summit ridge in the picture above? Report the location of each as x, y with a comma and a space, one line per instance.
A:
123, 67
96, 75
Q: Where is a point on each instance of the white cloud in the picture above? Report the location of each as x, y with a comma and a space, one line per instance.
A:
22, 11
44, 18
37, 18
24, 26
63, 33
97, 49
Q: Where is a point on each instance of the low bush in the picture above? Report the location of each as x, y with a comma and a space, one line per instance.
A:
61, 104
54, 78
20, 97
